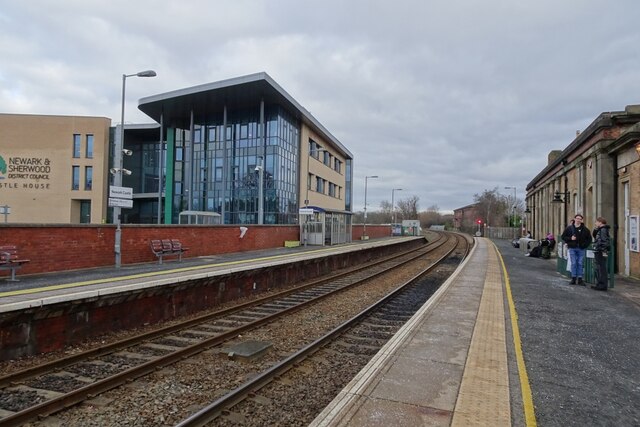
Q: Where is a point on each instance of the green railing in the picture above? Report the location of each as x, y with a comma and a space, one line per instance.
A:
590, 266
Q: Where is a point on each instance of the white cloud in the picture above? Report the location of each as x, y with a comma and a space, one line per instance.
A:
443, 99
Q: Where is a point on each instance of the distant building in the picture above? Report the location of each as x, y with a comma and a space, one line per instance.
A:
464, 218
53, 169
213, 148
216, 137
597, 174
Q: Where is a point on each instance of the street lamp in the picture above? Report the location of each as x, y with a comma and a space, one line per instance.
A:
513, 208
364, 228
393, 206
119, 170
531, 210
260, 170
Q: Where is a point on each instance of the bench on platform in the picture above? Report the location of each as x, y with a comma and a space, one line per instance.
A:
167, 247
9, 260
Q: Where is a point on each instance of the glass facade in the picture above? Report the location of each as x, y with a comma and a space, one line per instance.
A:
215, 168
348, 185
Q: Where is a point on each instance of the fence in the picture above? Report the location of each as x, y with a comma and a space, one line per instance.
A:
509, 233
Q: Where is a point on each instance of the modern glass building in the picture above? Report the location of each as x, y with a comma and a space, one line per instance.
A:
243, 148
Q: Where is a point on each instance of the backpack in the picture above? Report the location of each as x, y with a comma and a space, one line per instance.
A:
546, 252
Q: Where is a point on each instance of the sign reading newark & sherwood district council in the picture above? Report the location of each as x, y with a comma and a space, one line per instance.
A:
25, 173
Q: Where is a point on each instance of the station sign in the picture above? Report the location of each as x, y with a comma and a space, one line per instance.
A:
120, 192
120, 203
305, 211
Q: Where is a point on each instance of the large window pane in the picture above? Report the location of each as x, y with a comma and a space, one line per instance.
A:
89, 147
75, 177
76, 146
88, 177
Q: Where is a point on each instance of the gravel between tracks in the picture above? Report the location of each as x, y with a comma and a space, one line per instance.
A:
170, 395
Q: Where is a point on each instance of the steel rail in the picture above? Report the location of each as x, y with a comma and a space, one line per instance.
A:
226, 402
76, 396
58, 364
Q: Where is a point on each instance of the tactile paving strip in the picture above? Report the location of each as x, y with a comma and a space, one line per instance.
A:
483, 399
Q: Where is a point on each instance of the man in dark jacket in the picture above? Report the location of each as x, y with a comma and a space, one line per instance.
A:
577, 237
601, 245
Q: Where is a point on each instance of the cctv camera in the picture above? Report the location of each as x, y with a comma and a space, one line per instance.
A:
127, 152
126, 171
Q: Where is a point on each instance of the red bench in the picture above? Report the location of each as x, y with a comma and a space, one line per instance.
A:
9, 260
167, 247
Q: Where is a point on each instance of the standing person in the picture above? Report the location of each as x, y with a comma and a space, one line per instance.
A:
601, 245
577, 237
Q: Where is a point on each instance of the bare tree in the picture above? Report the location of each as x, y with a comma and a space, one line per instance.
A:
431, 217
408, 208
492, 207
387, 210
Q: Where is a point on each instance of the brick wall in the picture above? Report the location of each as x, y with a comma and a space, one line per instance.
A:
71, 247
373, 231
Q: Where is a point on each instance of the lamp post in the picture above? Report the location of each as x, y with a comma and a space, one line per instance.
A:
557, 199
364, 228
513, 207
393, 206
531, 210
260, 170
119, 150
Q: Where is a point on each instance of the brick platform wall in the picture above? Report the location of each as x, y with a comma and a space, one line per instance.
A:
373, 231
72, 247
41, 329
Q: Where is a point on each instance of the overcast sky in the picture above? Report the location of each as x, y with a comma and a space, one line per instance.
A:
443, 99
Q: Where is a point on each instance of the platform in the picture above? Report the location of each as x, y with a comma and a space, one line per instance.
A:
50, 288
505, 341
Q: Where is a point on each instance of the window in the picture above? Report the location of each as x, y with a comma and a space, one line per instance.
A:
75, 177
88, 177
76, 145
332, 189
327, 158
319, 185
338, 166
89, 147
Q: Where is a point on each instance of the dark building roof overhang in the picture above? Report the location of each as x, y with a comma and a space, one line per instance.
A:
236, 93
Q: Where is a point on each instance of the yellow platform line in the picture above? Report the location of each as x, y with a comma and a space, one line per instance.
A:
483, 398
155, 273
525, 386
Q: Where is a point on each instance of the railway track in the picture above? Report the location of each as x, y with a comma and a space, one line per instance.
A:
362, 336
49, 388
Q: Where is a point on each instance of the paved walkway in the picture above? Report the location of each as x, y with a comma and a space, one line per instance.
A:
581, 347
506, 341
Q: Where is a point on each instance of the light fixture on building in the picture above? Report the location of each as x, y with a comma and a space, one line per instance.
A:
123, 170
557, 197
638, 149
